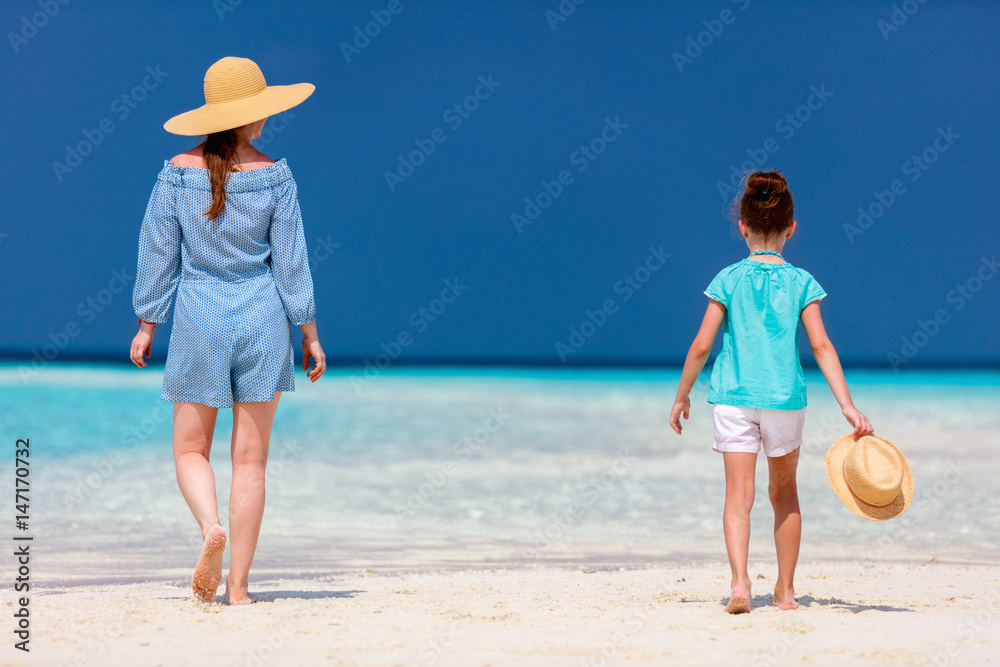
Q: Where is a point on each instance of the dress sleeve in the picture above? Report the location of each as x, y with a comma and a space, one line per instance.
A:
289, 256
159, 267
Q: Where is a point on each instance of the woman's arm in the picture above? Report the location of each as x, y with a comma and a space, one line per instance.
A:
290, 258
158, 272
292, 277
312, 348
829, 363
696, 358
142, 343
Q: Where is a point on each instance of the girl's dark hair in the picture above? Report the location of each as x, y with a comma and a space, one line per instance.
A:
767, 207
220, 158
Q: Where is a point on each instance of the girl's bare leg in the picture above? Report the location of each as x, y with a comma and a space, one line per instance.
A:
251, 436
787, 524
740, 467
194, 425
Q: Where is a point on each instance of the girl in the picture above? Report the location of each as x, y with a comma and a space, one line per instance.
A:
757, 384
224, 234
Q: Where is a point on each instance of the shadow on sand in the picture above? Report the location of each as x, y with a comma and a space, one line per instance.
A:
272, 596
765, 601
837, 603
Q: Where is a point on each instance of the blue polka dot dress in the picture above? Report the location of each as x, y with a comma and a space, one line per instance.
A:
240, 282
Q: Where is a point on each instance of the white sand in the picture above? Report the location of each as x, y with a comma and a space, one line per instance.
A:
853, 613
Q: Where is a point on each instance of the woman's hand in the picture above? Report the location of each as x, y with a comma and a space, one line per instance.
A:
862, 426
680, 406
312, 348
141, 344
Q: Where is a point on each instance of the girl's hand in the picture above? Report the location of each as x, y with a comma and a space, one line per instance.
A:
680, 406
862, 426
312, 348
141, 347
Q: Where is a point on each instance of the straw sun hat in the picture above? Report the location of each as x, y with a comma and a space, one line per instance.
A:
870, 475
235, 95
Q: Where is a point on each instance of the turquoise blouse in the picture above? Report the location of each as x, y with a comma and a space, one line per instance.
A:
759, 365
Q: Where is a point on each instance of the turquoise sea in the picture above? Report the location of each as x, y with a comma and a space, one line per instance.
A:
458, 467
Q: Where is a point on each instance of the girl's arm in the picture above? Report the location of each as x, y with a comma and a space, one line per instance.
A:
696, 358
829, 363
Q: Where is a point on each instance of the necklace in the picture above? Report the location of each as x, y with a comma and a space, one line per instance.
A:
766, 252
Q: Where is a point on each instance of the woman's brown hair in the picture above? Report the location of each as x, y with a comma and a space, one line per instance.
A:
766, 206
220, 158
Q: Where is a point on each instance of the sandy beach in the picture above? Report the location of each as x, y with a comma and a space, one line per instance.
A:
871, 614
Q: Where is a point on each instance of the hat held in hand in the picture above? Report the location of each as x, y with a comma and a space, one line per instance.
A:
870, 475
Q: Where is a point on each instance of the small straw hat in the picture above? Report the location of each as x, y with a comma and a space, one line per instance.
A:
870, 475
235, 95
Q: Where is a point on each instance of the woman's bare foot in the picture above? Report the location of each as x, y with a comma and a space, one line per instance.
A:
785, 600
238, 594
208, 571
739, 599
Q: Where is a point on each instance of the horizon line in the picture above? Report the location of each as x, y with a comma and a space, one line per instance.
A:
350, 361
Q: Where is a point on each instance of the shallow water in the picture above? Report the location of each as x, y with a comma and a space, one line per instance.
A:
461, 467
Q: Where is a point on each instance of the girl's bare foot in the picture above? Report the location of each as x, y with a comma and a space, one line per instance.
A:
238, 594
739, 599
208, 571
785, 600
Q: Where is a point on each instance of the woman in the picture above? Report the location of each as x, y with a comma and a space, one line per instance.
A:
224, 234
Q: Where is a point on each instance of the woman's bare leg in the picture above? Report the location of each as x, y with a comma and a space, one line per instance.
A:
740, 467
251, 436
194, 425
784, 495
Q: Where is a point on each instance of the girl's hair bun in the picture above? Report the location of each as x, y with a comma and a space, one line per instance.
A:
766, 186
766, 205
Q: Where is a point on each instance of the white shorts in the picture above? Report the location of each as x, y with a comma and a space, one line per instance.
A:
739, 429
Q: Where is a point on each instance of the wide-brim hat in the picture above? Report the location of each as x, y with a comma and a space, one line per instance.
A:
236, 94
870, 475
